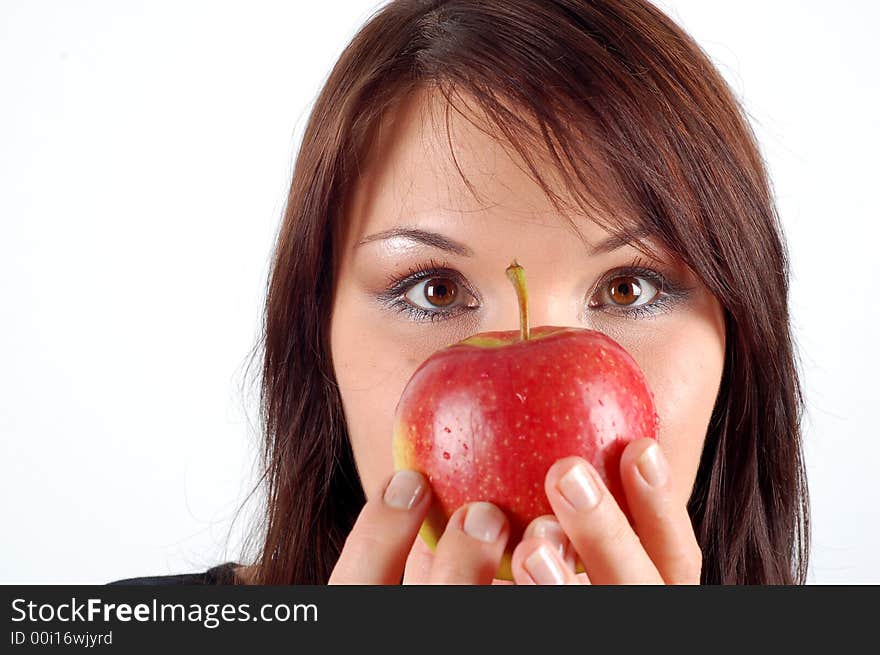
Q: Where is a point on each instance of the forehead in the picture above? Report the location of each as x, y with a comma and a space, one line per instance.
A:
430, 164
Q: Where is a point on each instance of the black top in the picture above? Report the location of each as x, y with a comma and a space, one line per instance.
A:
222, 574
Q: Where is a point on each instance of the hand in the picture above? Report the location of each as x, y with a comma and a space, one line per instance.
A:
660, 549
376, 549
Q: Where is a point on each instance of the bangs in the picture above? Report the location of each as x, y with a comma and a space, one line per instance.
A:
563, 154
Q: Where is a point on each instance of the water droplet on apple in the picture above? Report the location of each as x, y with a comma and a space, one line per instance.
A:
446, 455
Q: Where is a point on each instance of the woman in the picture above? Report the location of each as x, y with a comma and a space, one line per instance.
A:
595, 143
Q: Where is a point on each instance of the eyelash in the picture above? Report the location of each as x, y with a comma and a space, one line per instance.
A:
668, 295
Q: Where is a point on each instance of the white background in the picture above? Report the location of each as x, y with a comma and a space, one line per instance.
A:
145, 152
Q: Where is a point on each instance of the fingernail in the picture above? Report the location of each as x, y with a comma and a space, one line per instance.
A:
578, 488
652, 466
543, 568
551, 531
483, 521
404, 490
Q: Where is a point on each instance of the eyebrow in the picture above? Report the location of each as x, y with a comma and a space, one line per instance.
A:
615, 241
441, 242
425, 237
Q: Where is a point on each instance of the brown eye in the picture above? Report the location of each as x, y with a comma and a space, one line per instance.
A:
440, 291
624, 290
435, 293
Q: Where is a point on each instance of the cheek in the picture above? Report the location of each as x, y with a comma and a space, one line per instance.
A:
685, 395
371, 371
684, 372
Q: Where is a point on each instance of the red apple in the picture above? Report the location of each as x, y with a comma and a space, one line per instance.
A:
485, 418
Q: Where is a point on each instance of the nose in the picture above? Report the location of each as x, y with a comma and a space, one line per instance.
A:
549, 303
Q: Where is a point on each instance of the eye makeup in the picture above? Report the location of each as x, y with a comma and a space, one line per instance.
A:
393, 296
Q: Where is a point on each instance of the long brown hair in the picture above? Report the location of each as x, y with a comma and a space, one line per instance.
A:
626, 110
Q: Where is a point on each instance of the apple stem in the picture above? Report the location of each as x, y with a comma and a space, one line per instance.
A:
517, 275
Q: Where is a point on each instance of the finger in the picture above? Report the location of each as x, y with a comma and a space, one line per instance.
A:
662, 523
376, 548
537, 561
418, 563
596, 526
547, 527
471, 547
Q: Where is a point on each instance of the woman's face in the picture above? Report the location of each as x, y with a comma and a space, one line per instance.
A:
383, 327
